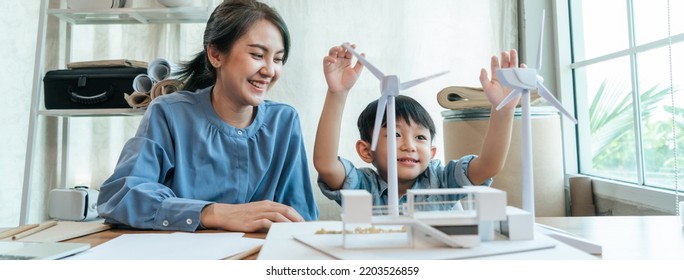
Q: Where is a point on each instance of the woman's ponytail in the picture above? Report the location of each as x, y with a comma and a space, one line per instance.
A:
196, 73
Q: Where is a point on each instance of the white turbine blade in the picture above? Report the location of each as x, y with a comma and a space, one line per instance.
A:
515, 93
541, 42
376, 72
412, 83
544, 92
380, 111
522, 78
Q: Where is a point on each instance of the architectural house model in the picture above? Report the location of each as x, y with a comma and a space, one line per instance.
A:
432, 215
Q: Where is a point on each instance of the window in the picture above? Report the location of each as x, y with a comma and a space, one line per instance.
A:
628, 75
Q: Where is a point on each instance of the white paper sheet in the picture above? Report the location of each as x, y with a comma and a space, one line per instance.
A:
172, 246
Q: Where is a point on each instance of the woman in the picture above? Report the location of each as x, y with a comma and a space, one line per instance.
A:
216, 155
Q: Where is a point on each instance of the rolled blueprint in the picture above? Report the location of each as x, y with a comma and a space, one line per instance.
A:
143, 83
458, 97
165, 87
138, 99
160, 69
155, 83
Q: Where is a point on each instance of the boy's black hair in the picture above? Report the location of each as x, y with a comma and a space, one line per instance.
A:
406, 108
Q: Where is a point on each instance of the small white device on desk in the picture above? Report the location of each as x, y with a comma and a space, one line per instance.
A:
73, 204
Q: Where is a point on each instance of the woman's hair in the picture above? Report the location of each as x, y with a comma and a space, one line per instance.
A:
406, 108
229, 21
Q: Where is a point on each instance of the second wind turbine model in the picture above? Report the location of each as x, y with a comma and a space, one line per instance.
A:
389, 88
522, 80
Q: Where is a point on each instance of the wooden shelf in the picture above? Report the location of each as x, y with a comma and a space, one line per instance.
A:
92, 112
133, 16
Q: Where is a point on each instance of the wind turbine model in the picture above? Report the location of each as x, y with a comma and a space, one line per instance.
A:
389, 88
522, 80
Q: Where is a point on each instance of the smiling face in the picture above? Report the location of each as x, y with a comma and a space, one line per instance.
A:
250, 68
414, 152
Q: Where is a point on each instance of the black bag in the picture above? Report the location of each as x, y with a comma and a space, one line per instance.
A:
89, 88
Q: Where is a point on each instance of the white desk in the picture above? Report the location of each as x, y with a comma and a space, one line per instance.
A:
628, 237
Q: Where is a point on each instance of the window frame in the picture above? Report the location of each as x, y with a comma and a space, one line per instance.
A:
639, 193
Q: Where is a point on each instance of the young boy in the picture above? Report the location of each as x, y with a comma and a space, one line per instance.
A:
416, 166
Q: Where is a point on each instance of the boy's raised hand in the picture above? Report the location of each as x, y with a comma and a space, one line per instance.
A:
339, 74
494, 91
498, 136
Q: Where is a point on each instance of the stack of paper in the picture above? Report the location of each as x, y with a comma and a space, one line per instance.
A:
172, 246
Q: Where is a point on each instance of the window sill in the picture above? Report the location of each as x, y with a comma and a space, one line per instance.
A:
635, 195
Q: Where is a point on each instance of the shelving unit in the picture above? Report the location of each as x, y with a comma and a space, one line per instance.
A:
179, 15
132, 16
92, 112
